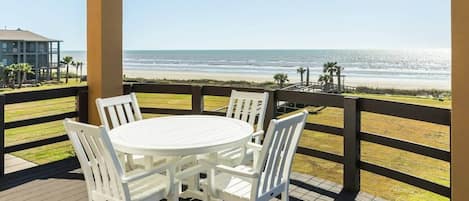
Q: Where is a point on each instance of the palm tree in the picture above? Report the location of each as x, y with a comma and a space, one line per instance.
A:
9, 75
77, 64
2, 72
281, 79
23, 69
17, 71
67, 60
301, 71
339, 78
325, 81
81, 69
307, 76
331, 68
3, 76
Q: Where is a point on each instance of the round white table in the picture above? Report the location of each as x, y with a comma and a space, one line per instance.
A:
178, 136
181, 135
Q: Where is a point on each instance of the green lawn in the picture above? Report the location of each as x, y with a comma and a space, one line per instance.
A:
415, 131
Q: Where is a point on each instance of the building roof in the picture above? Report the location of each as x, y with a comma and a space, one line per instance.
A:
23, 35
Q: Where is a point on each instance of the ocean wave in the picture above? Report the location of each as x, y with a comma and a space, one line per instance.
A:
387, 64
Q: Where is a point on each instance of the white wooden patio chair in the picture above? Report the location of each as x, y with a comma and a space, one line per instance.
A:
120, 110
270, 175
249, 107
105, 178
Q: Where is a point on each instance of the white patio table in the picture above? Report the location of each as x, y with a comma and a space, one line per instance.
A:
180, 136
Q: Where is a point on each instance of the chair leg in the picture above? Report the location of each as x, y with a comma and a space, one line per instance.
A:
285, 195
174, 196
148, 162
122, 160
130, 161
206, 195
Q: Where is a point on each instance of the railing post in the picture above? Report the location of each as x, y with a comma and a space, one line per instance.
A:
352, 119
127, 89
197, 100
271, 109
82, 106
2, 136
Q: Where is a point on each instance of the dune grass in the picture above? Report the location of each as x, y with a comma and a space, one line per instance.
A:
415, 131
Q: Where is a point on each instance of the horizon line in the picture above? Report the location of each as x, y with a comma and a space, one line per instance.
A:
254, 49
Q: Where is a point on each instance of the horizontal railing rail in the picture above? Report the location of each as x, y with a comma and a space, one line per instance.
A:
407, 146
353, 136
409, 111
23, 97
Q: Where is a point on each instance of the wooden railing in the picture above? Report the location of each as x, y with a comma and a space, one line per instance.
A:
351, 132
13, 98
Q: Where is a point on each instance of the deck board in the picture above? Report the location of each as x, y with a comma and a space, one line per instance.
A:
13, 164
62, 181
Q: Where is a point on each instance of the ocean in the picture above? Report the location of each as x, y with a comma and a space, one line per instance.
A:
428, 65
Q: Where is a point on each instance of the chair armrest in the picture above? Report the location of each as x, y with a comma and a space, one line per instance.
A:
255, 147
257, 136
184, 160
258, 133
189, 172
143, 174
236, 172
208, 164
227, 169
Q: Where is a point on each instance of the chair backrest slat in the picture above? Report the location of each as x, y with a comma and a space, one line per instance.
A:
135, 107
101, 167
289, 142
276, 176
128, 110
248, 107
239, 106
270, 162
278, 149
117, 111
121, 115
256, 107
246, 110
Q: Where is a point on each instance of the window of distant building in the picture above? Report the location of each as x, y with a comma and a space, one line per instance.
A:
4, 46
31, 47
14, 49
41, 48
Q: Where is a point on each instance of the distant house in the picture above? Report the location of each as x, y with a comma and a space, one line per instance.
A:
21, 46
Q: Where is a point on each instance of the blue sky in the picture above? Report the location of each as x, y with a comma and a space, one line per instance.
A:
247, 24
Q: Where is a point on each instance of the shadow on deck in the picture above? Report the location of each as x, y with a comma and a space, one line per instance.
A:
62, 181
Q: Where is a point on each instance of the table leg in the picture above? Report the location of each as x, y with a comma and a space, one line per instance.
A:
148, 161
211, 176
175, 187
193, 182
175, 195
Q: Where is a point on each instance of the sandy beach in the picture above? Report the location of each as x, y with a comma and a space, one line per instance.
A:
368, 82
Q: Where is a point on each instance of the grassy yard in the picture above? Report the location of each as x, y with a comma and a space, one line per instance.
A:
415, 131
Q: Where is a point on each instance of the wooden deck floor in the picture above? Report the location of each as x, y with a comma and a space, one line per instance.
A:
13, 164
61, 181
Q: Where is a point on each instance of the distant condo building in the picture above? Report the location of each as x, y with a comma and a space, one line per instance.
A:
22, 46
